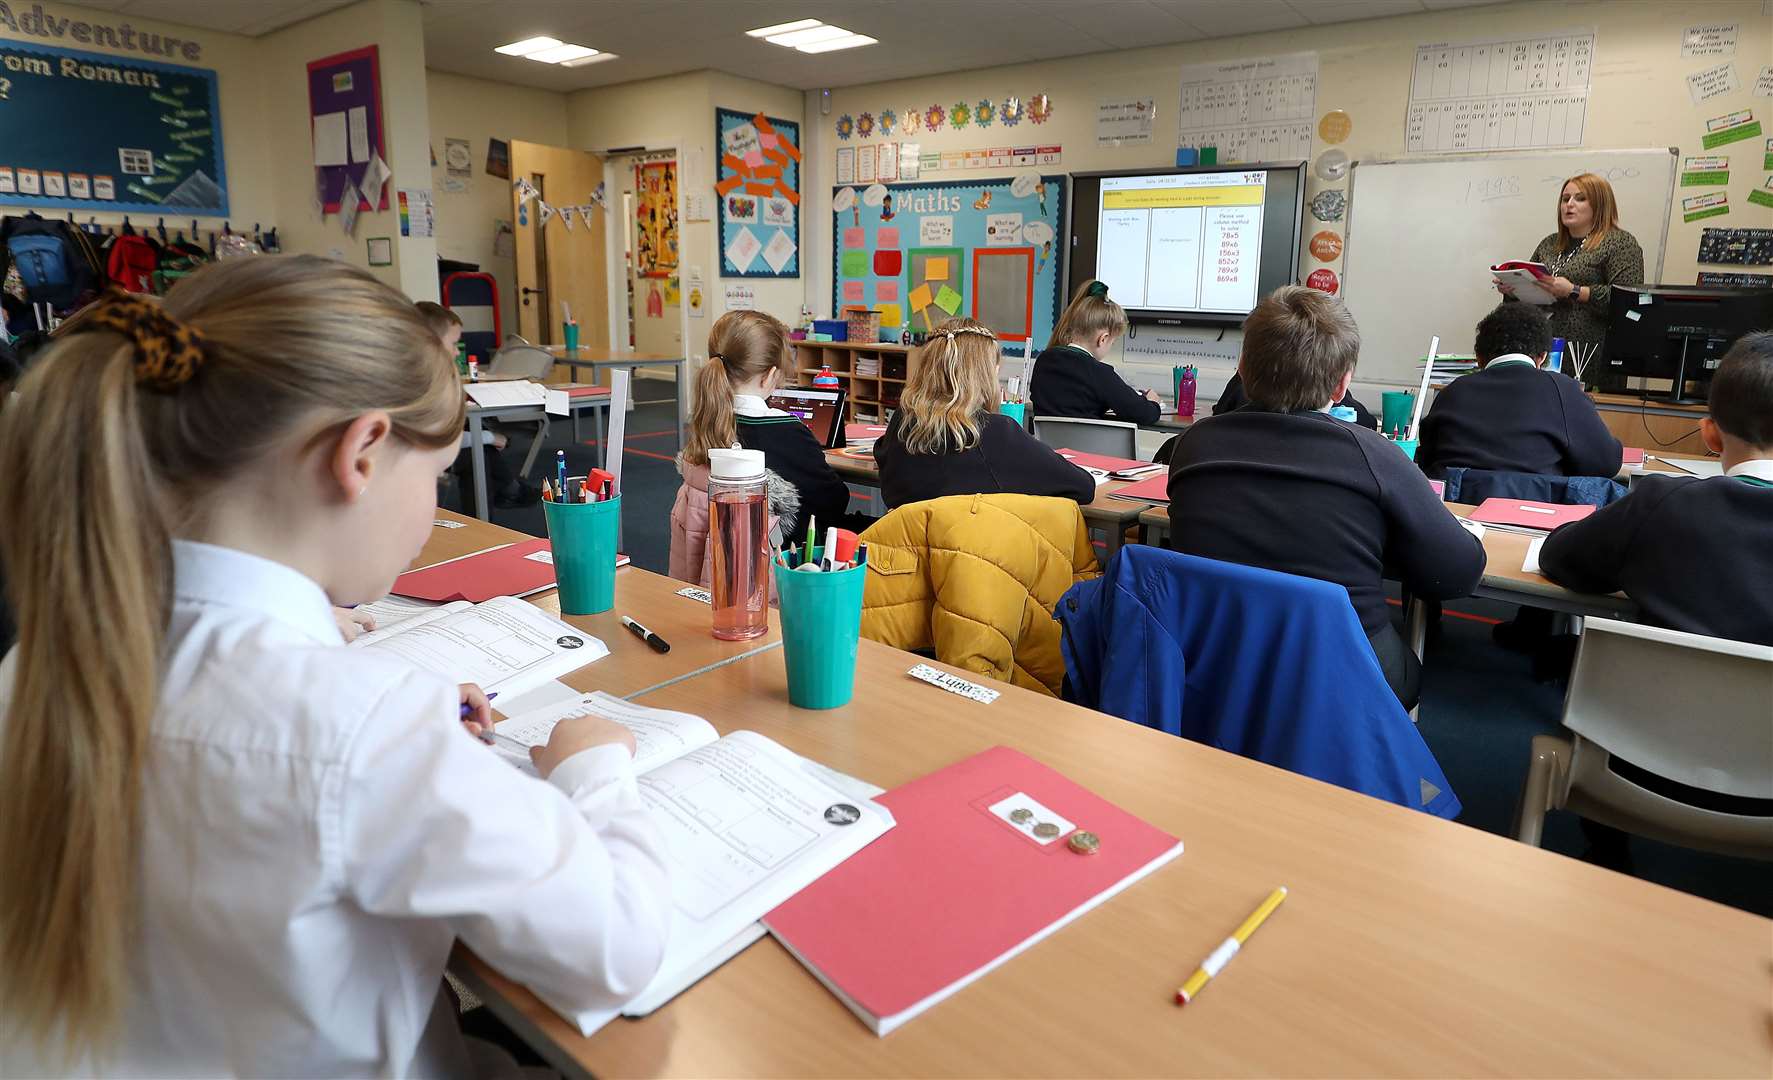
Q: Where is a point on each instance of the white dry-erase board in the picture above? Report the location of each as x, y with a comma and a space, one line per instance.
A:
1422, 231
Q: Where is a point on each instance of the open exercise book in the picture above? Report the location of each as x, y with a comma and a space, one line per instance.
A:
505, 645
747, 824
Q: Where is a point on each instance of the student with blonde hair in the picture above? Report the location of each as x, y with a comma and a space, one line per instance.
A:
1283, 485
749, 355
1070, 376
232, 845
949, 439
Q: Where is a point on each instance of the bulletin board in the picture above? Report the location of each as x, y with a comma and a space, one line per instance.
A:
655, 211
145, 135
922, 253
757, 184
339, 84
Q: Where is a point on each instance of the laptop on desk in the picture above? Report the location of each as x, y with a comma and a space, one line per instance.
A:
820, 410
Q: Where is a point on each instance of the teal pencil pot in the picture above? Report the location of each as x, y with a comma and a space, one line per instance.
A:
584, 538
821, 629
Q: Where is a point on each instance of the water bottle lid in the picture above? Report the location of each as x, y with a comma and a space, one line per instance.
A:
1344, 412
735, 464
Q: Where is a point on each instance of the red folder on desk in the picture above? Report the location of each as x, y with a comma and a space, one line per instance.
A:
512, 570
1119, 468
1632, 458
1155, 489
957, 887
1525, 514
500, 571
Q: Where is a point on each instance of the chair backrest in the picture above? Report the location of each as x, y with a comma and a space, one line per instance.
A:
1110, 438
1267, 665
1696, 710
1475, 485
521, 361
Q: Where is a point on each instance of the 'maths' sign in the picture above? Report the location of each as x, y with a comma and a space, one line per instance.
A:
38, 23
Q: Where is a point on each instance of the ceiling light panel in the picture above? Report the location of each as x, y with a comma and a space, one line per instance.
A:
528, 45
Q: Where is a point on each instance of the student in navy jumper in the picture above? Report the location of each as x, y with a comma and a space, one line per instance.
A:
1070, 377
1282, 484
1696, 554
1511, 414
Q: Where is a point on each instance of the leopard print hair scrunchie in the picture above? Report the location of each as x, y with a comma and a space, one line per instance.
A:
167, 352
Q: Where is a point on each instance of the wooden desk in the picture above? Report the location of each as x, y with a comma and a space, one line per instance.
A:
1409, 946
631, 666
1637, 421
629, 360
1110, 517
1172, 422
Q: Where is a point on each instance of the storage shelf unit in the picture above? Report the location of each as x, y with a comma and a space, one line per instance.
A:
872, 396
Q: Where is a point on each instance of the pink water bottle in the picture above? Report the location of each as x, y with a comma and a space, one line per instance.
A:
738, 537
1185, 382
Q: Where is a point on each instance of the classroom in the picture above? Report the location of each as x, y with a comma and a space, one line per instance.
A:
811, 538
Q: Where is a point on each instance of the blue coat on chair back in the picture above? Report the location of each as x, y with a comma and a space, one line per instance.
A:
1476, 485
1266, 665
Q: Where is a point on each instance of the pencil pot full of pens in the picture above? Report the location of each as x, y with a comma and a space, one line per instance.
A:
1015, 410
821, 625
584, 537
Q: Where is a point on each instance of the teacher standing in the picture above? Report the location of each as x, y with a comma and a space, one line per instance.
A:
1587, 256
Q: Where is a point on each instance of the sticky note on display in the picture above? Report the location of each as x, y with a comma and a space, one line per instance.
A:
935, 269
886, 237
855, 264
920, 298
853, 292
948, 300
890, 315
886, 290
888, 263
854, 238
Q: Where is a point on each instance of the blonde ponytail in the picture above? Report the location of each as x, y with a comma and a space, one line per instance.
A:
88, 581
1089, 313
742, 346
114, 445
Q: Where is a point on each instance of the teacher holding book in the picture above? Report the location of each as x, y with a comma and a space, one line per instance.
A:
1586, 257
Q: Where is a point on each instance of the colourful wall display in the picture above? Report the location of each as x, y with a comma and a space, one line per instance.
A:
342, 84
757, 184
655, 210
921, 253
147, 136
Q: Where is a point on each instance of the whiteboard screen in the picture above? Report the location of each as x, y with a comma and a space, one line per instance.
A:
1422, 234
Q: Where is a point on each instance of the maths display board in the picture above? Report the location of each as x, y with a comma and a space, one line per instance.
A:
922, 253
758, 185
86, 131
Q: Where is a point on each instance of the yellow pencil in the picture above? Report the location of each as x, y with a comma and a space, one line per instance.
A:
1229, 947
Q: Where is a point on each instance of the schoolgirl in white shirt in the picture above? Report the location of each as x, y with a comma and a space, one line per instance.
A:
228, 844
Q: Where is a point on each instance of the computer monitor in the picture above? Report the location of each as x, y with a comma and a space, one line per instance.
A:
820, 410
1665, 341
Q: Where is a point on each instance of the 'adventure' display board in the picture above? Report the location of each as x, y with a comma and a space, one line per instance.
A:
922, 253
138, 135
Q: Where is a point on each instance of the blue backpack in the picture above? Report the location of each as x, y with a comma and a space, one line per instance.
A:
54, 260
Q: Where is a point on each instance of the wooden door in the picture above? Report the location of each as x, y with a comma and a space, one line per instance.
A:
556, 264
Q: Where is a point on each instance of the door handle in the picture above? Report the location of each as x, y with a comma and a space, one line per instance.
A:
527, 293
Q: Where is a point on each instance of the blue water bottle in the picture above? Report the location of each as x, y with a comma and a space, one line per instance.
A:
1554, 361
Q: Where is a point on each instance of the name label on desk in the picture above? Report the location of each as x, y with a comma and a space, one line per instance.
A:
694, 593
442, 524
954, 684
541, 557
